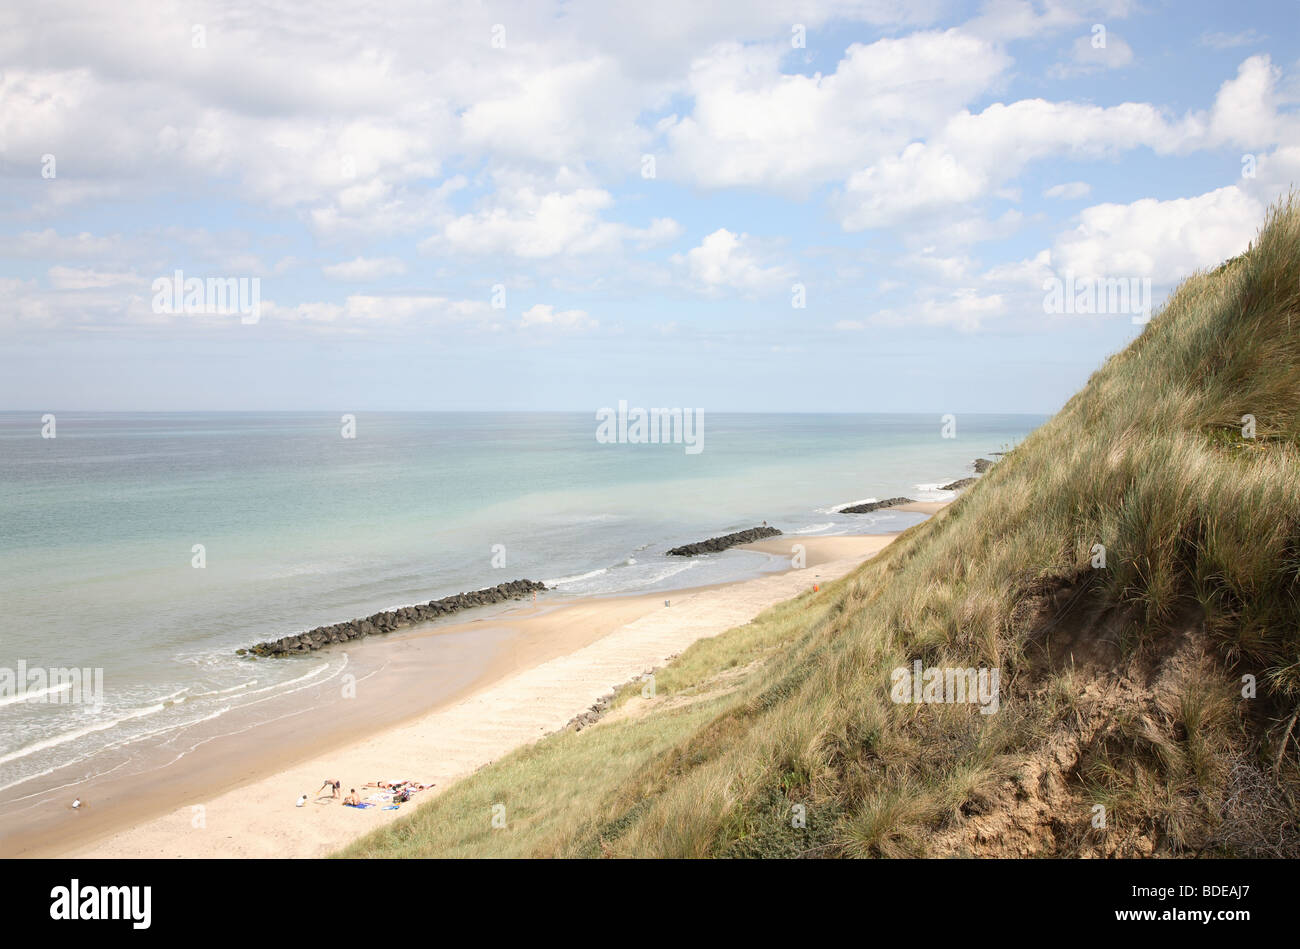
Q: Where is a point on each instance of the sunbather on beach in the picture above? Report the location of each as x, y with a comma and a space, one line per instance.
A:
354, 799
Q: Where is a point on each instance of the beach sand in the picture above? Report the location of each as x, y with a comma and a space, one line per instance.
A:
922, 507
557, 662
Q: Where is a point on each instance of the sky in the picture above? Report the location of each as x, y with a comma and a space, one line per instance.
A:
736, 206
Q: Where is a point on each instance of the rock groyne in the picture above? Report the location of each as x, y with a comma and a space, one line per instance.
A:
874, 505
390, 620
714, 544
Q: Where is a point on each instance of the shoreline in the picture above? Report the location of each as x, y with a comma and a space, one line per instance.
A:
550, 662
450, 659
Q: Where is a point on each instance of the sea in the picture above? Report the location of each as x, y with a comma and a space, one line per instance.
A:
144, 549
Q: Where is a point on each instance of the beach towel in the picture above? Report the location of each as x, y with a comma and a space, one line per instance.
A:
360, 806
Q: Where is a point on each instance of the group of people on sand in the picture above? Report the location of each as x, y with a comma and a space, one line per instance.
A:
401, 790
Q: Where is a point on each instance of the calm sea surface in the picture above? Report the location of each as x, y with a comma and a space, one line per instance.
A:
300, 526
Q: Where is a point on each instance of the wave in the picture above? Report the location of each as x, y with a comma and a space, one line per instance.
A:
670, 571
815, 528
302, 678
66, 737
233, 688
576, 577
39, 693
111, 746
933, 492
579, 577
280, 689
839, 507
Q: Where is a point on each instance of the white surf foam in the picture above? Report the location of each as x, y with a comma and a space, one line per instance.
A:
576, 577
815, 528
839, 507
65, 737
38, 693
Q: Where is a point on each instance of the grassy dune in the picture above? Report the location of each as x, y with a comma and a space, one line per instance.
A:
1121, 686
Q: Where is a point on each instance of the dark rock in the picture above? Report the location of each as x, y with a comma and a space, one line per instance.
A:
714, 544
389, 620
594, 713
959, 484
875, 505
982, 465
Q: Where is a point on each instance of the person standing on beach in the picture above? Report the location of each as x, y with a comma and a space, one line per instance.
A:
333, 784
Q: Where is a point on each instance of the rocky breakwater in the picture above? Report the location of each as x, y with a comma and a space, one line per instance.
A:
714, 544
390, 620
875, 505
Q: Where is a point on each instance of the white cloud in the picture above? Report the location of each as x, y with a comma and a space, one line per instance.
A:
975, 153
1163, 240
49, 243
374, 104
1069, 190
74, 278
922, 178
528, 157
728, 261
545, 315
944, 268
1088, 57
1245, 109
378, 207
528, 223
1021, 19
1276, 173
586, 108
963, 308
365, 268
362, 311
754, 125
1023, 273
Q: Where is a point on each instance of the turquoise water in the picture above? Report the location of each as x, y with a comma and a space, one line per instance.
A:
301, 526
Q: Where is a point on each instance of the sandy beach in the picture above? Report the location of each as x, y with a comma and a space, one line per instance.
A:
553, 665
